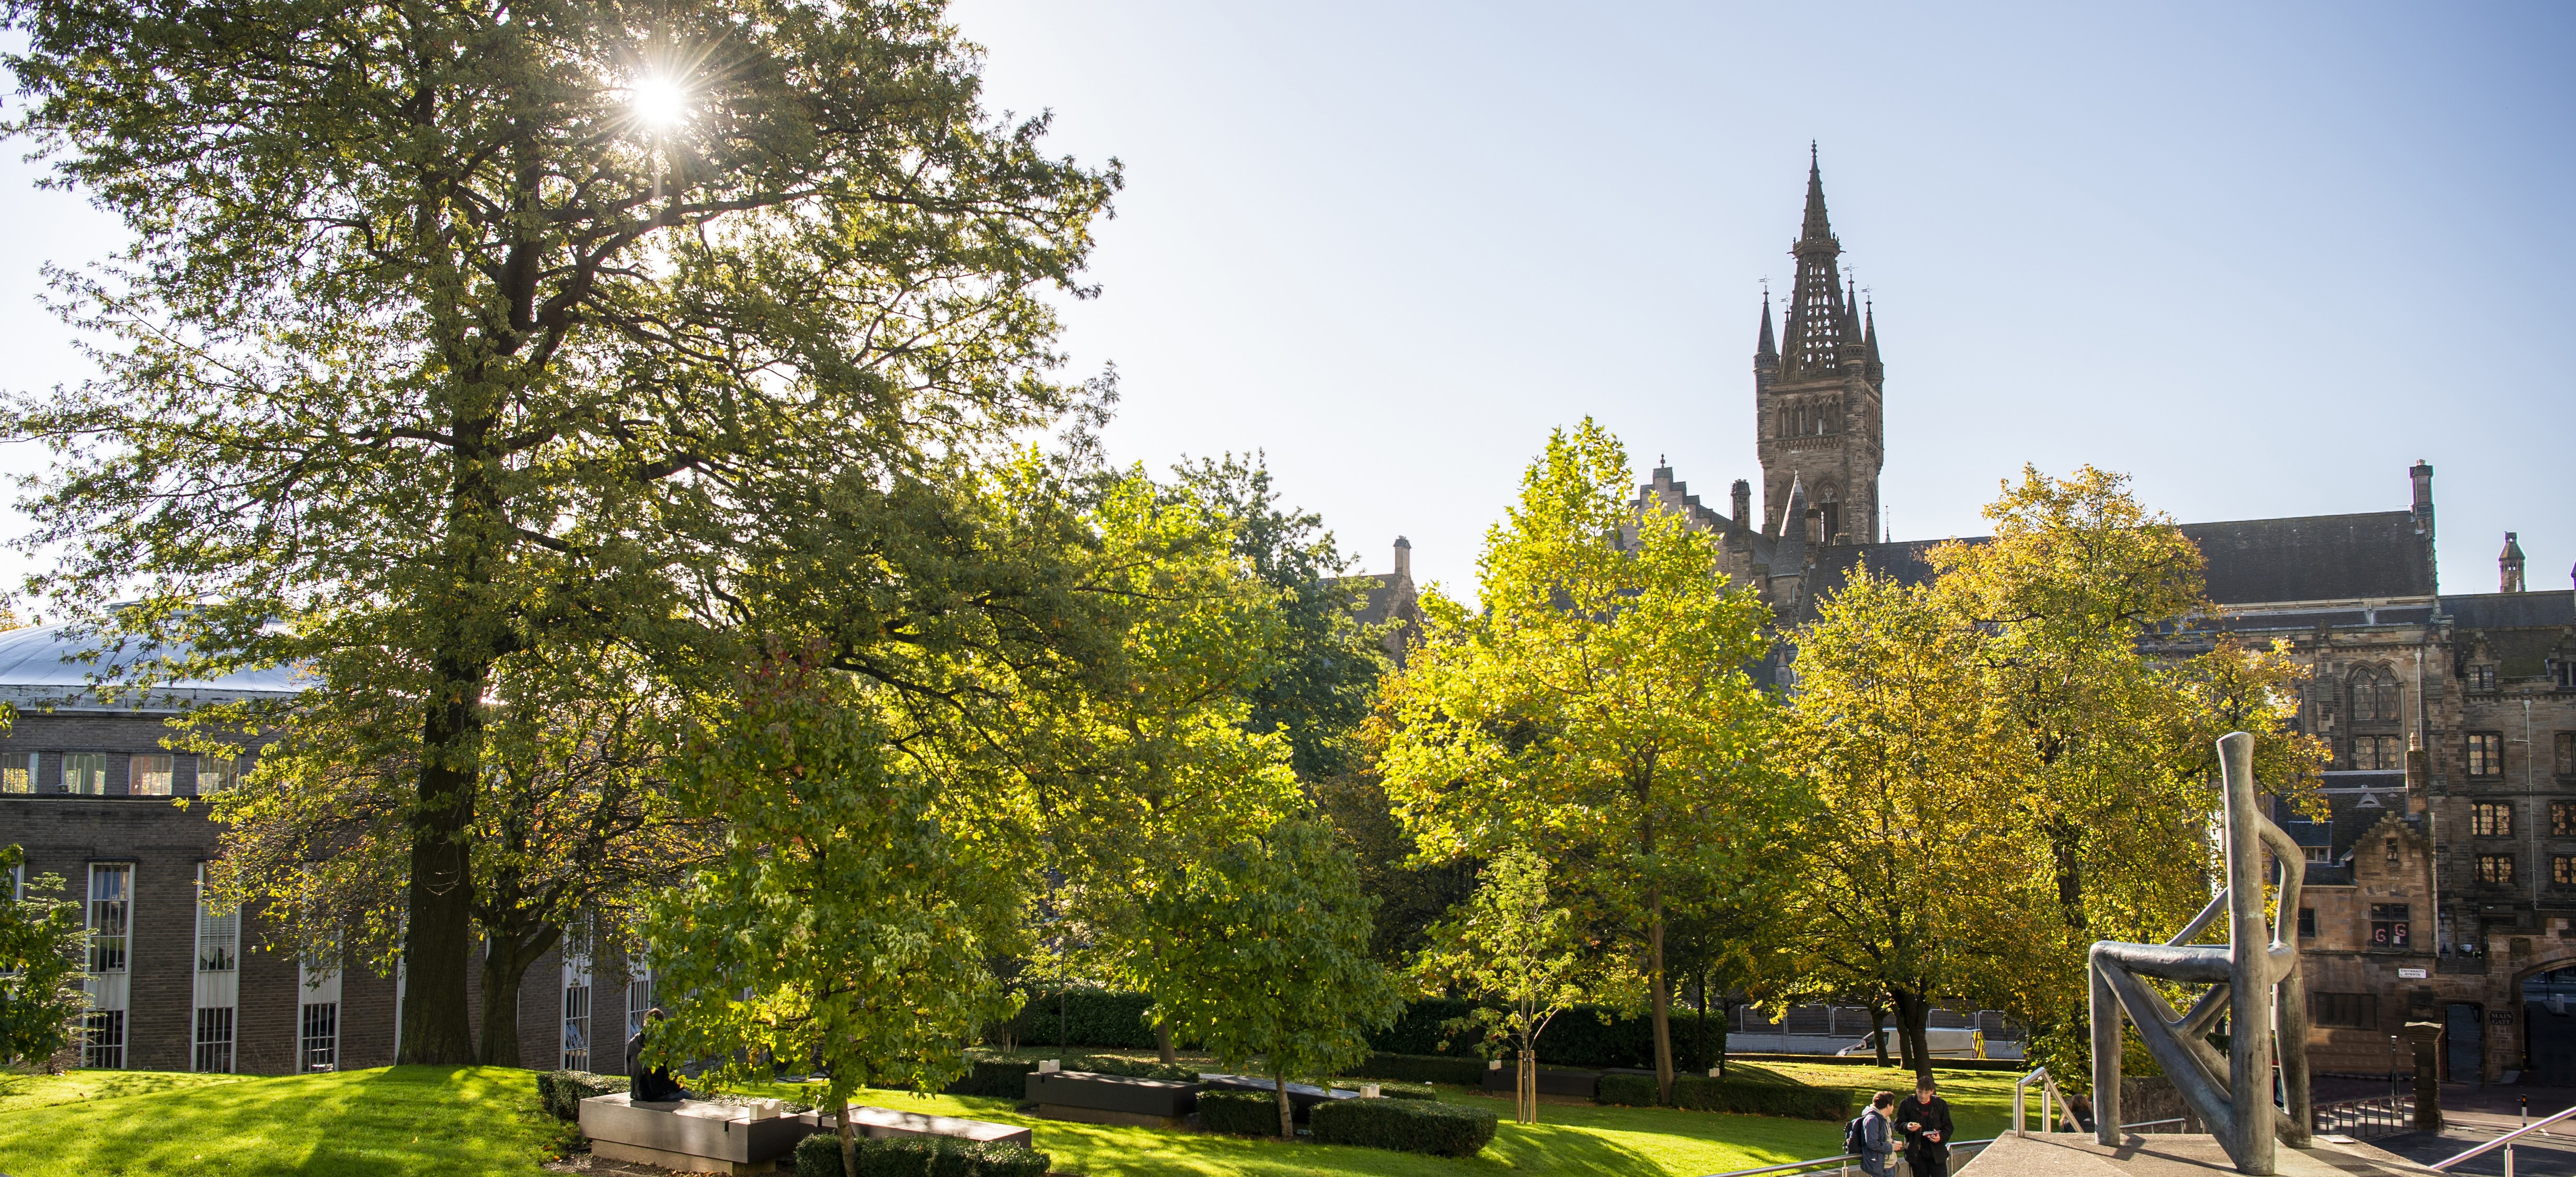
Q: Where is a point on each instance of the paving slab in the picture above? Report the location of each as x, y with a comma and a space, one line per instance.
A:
2068, 1154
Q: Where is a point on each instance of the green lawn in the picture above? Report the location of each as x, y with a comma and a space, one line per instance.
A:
389, 1121
473, 1121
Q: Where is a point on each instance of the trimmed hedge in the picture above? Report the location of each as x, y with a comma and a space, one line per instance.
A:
1699, 1094
1404, 1125
1091, 1017
561, 1092
1423, 1068
1242, 1113
819, 1155
1001, 1078
1103, 1064
1406, 1091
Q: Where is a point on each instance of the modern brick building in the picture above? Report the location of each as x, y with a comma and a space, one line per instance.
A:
89, 788
2443, 883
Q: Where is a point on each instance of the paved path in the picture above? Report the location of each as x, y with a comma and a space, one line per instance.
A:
2065, 1154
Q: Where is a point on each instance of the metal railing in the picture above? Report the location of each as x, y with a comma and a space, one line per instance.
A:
2048, 1089
2505, 1142
1844, 1160
2362, 1119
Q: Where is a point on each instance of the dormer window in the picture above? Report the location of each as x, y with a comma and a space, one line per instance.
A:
2482, 678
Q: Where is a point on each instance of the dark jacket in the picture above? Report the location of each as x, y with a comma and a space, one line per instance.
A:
1934, 1118
653, 1085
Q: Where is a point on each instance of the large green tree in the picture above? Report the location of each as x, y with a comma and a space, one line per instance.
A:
461, 331
1596, 709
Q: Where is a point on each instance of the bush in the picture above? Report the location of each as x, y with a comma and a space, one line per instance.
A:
561, 1092
1794, 1100
1242, 1113
1091, 1017
819, 1155
1002, 1078
1404, 1125
1103, 1064
1424, 1068
1407, 1091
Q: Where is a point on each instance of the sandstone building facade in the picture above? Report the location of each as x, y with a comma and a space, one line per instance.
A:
2443, 882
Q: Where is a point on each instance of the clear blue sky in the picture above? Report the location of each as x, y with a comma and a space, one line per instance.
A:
2262, 258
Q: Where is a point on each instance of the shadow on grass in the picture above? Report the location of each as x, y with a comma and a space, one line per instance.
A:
404, 1120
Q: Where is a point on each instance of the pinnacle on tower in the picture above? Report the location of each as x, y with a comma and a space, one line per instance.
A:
1819, 316
1766, 350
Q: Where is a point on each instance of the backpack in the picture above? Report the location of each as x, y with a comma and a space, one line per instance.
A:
1855, 1138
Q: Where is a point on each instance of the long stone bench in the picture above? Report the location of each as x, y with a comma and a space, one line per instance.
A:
692, 1136
1302, 1097
873, 1121
1111, 1099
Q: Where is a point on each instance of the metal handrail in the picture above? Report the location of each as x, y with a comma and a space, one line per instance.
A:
2048, 1090
2506, 1139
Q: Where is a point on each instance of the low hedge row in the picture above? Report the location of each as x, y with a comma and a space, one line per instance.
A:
1794, 1100
561, 1092
1407, 1091
1000, 1078
1241, 1113
1423, 1068
1102, 1064
819, 1155
1403, 1125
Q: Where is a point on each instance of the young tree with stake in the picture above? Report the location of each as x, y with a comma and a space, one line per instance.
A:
1512, 946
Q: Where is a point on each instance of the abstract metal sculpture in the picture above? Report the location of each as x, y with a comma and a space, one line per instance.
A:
2254, 980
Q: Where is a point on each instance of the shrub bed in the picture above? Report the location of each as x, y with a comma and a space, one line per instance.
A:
819, 1155
1241, 1113
561, 1092
1699, 1094
1424, 1068
1404, 1125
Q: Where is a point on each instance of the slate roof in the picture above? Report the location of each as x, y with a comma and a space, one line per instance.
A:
2315, 558
54, 665
2513, 610
1378, 595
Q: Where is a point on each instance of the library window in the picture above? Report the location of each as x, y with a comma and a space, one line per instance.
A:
2562, 819
2379, 753
85, 773
18, 772
2495, 868
149, 775
2486, 754
639, 1000
576, 1009
2491, 819
2307, 923
103, 1039
110, 906
320, 1041
216, 774
2562, 869
218, 931
2388, 925
2374, 696
215, 1040
2351, 1011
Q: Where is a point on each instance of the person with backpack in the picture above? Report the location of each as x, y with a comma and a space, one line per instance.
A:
1870, 1137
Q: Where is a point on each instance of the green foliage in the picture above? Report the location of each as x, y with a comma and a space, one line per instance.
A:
1268, 955
1596, 709
1404, 1125
998, 1078
1696, 1093
1070, 1016
41, 941
1513, 947
427, 354
920, 1156
1239, 1113
1422, 1068
846, 924
1407, 1091
561, 1092
1102, 1064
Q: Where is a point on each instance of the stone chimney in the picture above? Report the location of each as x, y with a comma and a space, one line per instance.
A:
1403, 559
2422, 475
2509, 566
1743, 503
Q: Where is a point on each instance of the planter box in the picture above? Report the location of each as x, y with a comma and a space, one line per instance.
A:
1111, 1099
1556, 1081
1302, 1097
867, 1121
692, 1136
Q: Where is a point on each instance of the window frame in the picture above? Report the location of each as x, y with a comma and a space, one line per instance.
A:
2491, 819
2391, 926
24, 773
161, 765
2482, 754
2495, 870
2562, 870
85, 763
94, 908
2343, 1011
224, 773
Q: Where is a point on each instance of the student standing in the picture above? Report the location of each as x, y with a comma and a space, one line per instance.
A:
1878, 1135
1926, 1120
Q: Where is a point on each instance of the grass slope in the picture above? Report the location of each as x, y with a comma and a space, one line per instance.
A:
389, 1121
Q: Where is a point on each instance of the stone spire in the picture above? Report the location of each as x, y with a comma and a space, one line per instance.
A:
2509, 566
1869, 332
1818, 314
1766, 351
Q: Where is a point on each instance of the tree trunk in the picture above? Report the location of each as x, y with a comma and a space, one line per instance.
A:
438, 938
1700, 1047
1912, 1013
1163, 1043
1287, 1112
1525, 1085
1661, 991
1878, 1031
505, 969
849, 1140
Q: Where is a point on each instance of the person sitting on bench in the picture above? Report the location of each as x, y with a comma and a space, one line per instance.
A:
649, 1085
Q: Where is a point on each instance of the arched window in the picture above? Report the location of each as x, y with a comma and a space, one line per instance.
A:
2375, 696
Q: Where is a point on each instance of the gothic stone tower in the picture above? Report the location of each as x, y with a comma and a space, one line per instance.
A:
1816, 397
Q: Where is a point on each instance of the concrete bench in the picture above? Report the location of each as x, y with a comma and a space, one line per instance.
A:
1111, 1099
1302, 1097
692, 1136
871, 1121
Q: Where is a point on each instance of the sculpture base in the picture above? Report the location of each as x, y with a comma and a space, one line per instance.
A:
2068, 1154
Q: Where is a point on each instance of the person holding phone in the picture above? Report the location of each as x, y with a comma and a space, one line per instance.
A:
1925, 1118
